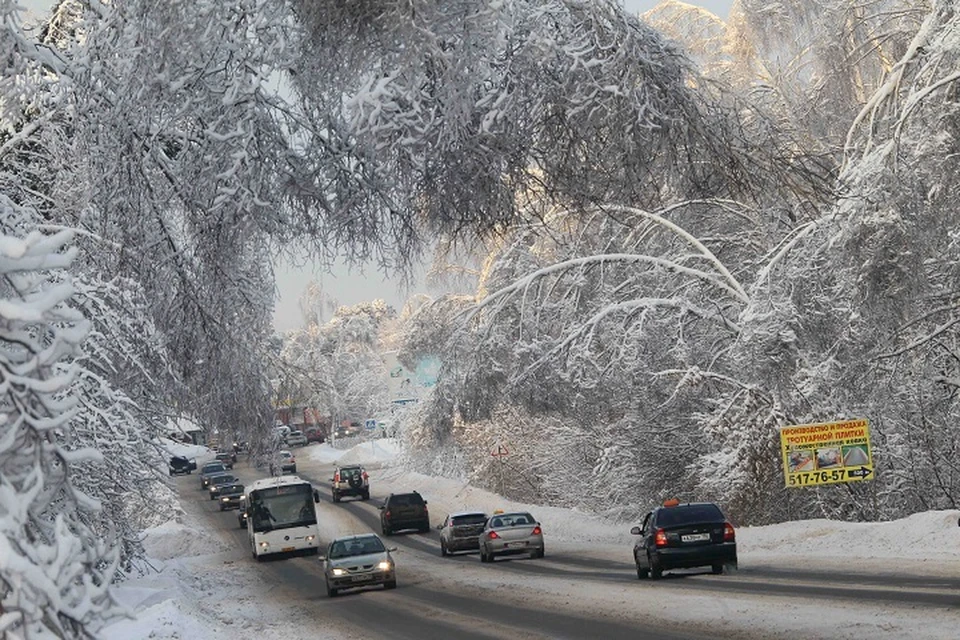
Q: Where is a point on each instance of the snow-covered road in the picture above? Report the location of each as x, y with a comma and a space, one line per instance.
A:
795, 580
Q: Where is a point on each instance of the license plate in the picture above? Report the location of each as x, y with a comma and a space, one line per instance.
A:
695, 537
285, 549
360, 578
515, 544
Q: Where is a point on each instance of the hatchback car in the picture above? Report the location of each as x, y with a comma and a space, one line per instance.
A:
510, 534
218, 482
350, 480
358, 561
230, 496
404, 511
461, 532
210, 469
683, 536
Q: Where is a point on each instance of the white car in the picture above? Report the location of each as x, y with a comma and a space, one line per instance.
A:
296, 439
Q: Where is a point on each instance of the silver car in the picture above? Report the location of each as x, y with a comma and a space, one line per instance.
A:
358, 561
509, 534
461, 532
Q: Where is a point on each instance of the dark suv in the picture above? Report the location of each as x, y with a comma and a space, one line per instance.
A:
680, 536
350, 480
404, 511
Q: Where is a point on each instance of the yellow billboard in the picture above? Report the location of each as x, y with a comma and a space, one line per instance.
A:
826, 453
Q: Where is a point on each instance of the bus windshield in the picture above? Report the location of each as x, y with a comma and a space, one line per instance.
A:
282, 507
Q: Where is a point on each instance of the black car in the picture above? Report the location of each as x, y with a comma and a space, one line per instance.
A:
404, 511
682, 536
180, 465
226, 458
218, 482
230, 496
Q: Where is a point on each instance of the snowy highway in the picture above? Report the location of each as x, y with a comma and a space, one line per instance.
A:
577, 591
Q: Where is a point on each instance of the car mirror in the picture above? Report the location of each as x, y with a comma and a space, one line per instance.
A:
392, 549
331, 479
380, 507
439, 527
637, 531
424, 502
322, 558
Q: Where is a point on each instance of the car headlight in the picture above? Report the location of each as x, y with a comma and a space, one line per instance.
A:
384, 566
264, 545
225, 499
338, 572
310, 538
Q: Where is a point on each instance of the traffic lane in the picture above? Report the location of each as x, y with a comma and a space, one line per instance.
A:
788, 582
436, 613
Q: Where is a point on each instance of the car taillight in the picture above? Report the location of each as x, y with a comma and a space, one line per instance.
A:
386, 514
451, 524
537, 531
729, 535
365, 476
336, 477
660, 538
493, 535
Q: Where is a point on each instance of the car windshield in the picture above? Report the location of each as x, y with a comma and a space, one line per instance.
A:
296, 434
218, 480
213, 468
689, 514
512, 520
234, 488
355, 547
473, 518
406, 500
349, 472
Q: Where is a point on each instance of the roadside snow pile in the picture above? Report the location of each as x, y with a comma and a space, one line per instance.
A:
175, 540
936, 530
185, 450
378, 451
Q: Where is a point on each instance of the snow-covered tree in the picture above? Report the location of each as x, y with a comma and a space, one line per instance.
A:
56, 567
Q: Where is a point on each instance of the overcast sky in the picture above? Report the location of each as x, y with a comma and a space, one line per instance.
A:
349, 286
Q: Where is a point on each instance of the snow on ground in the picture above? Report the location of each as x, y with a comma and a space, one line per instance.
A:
380, 451
185, 450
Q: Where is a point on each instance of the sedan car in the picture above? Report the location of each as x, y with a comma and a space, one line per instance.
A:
226, 458
358, 561
230, 496
296, 439
681, 536
283, 462
219, 481
461, 532
510, 534
210, 469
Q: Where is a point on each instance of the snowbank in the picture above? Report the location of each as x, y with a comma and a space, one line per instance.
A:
935, 531
186, 450
175, 540
379, 451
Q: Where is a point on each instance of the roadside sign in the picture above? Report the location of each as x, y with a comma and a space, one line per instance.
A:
370, 424
826, 453
500, 451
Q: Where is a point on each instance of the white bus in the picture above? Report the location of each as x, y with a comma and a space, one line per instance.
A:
281, 516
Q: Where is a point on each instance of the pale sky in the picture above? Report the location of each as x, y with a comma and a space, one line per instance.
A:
350, 286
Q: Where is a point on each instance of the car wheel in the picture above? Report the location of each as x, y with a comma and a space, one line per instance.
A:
390, 584
387, 531
716, 569
365, 496
331, 592
240, 525
642, 573
443, 549
336, 498
537, 553
425, 527
483, 555
656, 570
